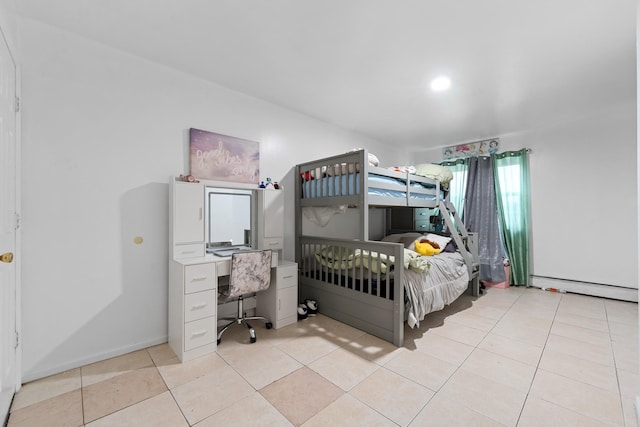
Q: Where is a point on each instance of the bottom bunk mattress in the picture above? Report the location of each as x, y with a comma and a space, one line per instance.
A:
446, 279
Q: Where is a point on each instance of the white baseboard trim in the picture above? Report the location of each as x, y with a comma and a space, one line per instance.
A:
586, 288
34, 375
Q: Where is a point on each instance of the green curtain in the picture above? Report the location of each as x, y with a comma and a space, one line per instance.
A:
458, 184
513, 196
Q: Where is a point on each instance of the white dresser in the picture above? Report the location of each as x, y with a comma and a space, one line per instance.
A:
279, 303
192, 307
194, 276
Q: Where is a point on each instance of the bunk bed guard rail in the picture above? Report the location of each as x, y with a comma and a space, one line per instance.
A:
357, 282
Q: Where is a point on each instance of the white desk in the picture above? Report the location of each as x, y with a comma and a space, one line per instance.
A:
193, 309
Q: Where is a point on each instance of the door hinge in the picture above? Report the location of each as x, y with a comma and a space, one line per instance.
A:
17, 343
17, 104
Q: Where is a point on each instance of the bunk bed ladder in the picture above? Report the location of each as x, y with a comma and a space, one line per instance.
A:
467, 243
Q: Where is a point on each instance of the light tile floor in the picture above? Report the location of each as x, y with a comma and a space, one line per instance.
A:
512, 357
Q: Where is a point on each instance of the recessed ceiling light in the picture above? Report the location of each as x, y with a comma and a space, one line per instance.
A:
440, 83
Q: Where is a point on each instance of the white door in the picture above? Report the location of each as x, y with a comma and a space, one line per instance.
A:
8, 228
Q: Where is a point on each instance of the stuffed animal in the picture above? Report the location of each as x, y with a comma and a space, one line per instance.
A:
427, 247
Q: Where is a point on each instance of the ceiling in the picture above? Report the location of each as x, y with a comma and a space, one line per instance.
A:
365, 65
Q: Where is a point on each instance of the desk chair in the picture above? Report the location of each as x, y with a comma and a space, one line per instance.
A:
250, 273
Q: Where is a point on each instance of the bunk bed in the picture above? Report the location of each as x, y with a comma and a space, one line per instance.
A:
373, 285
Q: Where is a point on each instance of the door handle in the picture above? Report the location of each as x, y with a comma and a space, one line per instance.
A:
6, 257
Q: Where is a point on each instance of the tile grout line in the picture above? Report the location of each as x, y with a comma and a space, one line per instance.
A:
615, 364
466, 358
569, 378
82, 396
168, 389
535, 373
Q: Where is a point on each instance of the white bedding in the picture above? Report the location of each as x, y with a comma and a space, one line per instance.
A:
446, 280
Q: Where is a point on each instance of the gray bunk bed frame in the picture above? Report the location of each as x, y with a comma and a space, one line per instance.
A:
356, 292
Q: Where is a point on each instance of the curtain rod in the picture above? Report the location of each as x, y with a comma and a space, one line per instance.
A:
527, 150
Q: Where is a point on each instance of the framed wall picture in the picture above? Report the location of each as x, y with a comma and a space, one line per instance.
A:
220, 157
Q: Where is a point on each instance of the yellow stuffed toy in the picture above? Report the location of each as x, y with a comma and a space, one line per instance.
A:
427, 247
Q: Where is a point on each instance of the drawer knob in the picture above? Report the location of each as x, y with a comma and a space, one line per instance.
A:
198, 306
198, 333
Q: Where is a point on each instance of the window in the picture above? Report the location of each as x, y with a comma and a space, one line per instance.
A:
510, 184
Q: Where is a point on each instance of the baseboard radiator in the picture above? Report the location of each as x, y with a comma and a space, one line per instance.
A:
586, 288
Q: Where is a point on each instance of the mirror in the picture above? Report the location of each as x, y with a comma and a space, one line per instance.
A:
229, 219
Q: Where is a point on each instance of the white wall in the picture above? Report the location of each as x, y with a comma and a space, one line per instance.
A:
102, 133
8, 22
583, 196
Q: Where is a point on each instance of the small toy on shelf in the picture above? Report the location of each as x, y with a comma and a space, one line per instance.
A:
188, 178
269, 183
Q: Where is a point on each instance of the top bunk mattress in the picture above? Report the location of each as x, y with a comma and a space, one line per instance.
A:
337, 180
377, 185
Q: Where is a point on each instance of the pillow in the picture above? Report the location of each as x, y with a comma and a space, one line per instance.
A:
373, 159
451, 247
336, 253
407, 239
442, 174
442, 241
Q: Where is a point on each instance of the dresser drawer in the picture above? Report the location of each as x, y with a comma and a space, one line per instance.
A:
287, 276
224, 267
199, 305
188, 251
273, 243
199, 277
421, 213
199, 333
422, 225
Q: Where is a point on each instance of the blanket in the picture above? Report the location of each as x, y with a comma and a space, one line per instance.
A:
338, 258
448, 278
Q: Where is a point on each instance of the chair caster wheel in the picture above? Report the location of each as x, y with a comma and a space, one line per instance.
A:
219, 341
252, 339
268, 325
